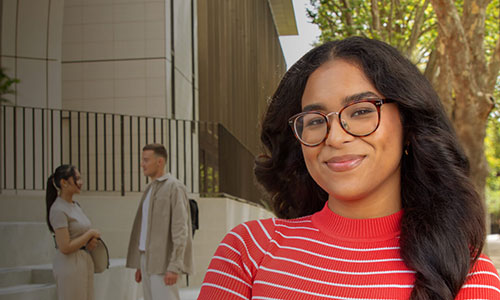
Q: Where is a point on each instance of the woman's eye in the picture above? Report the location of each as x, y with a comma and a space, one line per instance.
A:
361, 112
315, 122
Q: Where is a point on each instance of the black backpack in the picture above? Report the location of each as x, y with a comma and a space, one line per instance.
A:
193, 209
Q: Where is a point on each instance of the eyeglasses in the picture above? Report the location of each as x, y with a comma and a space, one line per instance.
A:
360, 118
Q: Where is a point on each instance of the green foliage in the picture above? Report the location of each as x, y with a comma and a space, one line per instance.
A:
492, 29
6, 85
492, 152
411, 26
209, 179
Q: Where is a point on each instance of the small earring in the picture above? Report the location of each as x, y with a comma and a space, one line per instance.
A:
407, 146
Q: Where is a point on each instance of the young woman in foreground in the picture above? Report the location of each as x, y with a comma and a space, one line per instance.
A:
372, 186
73, 266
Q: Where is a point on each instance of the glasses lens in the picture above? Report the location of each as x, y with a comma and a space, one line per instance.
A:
360, 118
311, 128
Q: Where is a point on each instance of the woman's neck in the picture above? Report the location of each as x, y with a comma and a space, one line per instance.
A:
68, 197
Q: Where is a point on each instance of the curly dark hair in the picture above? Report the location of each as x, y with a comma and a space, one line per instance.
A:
443, 226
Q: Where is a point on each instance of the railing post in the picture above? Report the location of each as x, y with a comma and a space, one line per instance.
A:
122, 156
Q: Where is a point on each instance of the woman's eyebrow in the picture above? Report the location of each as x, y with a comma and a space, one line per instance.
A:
345, 101
359, 96
314, 106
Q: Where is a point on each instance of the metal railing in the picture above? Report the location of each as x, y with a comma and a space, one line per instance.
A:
106, 148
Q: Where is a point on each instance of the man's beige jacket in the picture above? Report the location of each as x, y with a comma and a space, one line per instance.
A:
168, 241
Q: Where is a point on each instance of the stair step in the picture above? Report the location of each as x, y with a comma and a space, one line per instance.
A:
40, 291
38, 274
23, 236
14, 276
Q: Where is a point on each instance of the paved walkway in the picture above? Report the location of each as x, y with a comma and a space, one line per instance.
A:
190, 293
493, 242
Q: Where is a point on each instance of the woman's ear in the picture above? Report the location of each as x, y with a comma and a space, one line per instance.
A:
63, 183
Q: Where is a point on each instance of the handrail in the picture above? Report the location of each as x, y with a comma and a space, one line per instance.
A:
106, 148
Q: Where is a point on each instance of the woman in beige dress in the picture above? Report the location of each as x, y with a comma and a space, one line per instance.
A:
73, 267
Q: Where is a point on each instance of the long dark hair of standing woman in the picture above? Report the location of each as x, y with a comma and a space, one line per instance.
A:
443, 227
54, 185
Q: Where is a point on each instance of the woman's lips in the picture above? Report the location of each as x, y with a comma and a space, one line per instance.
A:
344, 163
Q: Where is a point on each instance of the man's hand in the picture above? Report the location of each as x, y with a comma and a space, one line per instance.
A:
170, 278
138, 275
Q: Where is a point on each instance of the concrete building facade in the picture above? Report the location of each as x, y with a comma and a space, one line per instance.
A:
101, 78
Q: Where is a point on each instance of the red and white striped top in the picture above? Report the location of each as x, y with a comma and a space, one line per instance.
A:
323, 256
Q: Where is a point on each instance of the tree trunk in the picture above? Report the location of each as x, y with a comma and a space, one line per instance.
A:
461, 57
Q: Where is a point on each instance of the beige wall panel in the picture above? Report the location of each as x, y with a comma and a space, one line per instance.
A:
73, 2
155, 106
54, 84
72, 71
184, 97
155, 87
72, 51
72, 14
32, 28
97, 32
155, 68
129, 12
55, 30
31, 91
182, 25
97, 13
155, 48
103, 70
9, 27
155, 10
72, 90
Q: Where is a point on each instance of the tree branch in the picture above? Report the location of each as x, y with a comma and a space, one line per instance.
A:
375, 16
389, 25
443, 82
416, 29
473, 21
348, 15
454, 43
431, 67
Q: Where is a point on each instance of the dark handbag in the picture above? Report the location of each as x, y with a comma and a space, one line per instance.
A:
100, 256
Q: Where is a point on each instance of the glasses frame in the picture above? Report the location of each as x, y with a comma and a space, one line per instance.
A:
377, 102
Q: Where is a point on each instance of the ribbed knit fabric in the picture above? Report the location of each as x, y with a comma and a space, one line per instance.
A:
323, 256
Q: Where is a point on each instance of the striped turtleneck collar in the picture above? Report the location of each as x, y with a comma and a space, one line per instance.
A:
337, 226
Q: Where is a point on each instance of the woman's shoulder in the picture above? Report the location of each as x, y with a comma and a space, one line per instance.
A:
271, 226
59, 205
482, 281
484, 265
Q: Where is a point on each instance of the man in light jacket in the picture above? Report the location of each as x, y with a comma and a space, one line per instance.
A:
160, 245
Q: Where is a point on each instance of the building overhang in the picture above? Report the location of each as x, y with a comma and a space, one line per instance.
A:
284, 17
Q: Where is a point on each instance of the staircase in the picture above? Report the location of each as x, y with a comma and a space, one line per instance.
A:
25, 262
26, 253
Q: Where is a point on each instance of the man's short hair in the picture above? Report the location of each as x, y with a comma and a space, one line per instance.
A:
158, 150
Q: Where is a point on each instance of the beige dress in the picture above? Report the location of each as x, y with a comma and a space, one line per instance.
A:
74, 273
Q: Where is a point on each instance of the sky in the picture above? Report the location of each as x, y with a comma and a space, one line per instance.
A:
295, 46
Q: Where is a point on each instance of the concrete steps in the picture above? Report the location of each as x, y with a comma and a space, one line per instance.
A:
27, 283
42, 291
37, 283
26, 243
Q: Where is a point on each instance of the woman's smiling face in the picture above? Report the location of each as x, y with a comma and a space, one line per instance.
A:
360, 174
